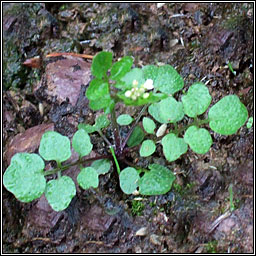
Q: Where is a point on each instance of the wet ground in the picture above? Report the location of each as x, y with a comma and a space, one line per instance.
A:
199, 40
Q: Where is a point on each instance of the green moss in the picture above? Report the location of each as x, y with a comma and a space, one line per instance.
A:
137, 208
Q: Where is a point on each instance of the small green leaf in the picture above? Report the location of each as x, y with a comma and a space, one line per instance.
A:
81, 143
227, 115
87, 127
150, 72
54, 146
60, 192
197, 100
88, 177
101, 166
24, 177
249, 122
157, 181
199, 139
134, 74
124, 119
97, 89
129, 178
148, 125
136, 137
168, 80
101, 122
101, 63
167, 111
173, 147
148, 147
121, 67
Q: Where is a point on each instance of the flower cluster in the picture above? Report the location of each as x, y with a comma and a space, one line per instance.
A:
136, 91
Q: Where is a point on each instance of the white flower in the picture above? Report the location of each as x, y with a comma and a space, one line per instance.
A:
135, 83
148, 84
128, 94
134, 97
145, 95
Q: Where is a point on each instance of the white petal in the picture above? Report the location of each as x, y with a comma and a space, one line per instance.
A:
149, 84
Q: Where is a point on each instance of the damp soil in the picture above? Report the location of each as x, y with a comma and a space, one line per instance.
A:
199, 40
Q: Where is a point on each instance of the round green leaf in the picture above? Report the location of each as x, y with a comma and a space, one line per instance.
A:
199, 139
167, 110
24, 177
150, 72
101, 63
88, 177
136, 137
101, 166
148, 125
173, 147
87, 127
227, 115
148, 147
157, 181
54, 146
168, 80
97, 89
129, 178
81, 143
124, 119
197, 100
60, 192
105, 102
121, 67
101, 122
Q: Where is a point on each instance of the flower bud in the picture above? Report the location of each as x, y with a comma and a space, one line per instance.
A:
135, 83
145, 95
128, 94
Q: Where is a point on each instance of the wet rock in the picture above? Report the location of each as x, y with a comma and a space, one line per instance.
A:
238, 225
42, 217
28, 141
63, 79
97, 220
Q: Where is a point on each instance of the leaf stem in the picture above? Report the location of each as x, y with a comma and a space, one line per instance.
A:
116, 162
115, 129
104, 138
78, 162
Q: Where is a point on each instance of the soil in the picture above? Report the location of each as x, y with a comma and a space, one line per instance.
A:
199, 40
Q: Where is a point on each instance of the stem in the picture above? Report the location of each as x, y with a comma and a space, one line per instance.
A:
115, 129
116, 162
80, 161
133, 126
104, 137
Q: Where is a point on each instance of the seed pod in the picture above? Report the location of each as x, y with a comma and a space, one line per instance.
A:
161, 130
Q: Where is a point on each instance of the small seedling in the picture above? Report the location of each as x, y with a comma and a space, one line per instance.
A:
153, 88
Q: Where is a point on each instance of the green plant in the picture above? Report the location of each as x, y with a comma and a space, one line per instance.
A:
151, 87
137, 207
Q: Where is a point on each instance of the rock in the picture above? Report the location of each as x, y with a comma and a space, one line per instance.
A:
63, 79
28, 141
142, 231
155, 239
